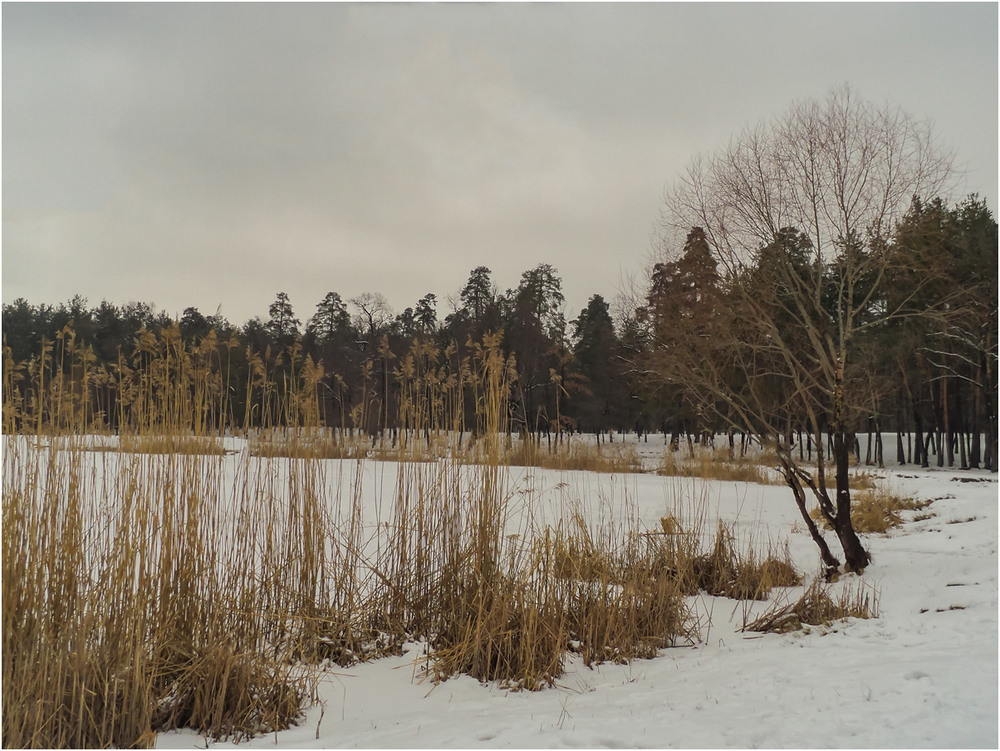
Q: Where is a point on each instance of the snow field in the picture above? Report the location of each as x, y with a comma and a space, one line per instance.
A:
923, 674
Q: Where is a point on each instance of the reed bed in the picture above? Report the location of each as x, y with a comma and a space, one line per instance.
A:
175, 583
127, 607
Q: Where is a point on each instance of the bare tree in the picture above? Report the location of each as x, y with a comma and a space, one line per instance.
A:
832, 169
373, 316
796, 213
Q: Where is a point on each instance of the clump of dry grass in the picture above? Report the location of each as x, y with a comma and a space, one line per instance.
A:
294, 444
225, 694
124, 611
876, 510
855, 481
132, 603
726, 572
180, 445
635, 614
291, 445
723, 569
504, 629
862, 481
715, 464
574, 554
507, 607
816, 607
566, 455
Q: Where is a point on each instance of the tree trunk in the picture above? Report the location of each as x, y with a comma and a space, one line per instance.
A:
975, 448
856, 558
949, 446
959, 427
988, 379
830, 563
920, 455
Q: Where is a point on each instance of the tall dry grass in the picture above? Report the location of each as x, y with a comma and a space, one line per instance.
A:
173, 583
132, 603
706, 555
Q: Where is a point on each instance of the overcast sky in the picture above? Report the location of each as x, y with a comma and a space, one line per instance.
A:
214, 155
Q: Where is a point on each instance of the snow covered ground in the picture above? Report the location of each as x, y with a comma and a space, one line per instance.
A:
923, 674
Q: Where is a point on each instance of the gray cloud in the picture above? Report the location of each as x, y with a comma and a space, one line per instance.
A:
191, 154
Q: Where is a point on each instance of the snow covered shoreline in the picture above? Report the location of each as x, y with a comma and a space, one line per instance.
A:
923, 674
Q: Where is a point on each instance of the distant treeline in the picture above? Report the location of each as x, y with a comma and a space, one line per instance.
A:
931, 376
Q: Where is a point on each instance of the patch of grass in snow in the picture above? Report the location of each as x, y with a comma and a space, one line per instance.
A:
716, 464
876, 510
728, 567
572, 455
817, 607
130, 607
508, 608
140, 592
400, 446
725, 569
171, 444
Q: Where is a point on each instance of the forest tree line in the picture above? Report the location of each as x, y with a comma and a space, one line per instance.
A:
931, 378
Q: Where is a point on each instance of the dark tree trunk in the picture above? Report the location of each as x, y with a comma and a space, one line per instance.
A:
920, 456
960, 431
856, 558
975, 448
870, 444
948, 435
831, 564
989, 416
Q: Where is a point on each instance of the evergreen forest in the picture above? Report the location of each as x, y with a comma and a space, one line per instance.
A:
928, 375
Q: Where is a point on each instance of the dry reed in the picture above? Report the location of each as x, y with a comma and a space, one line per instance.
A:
876, 509
817, 607
715, 464
172, 584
